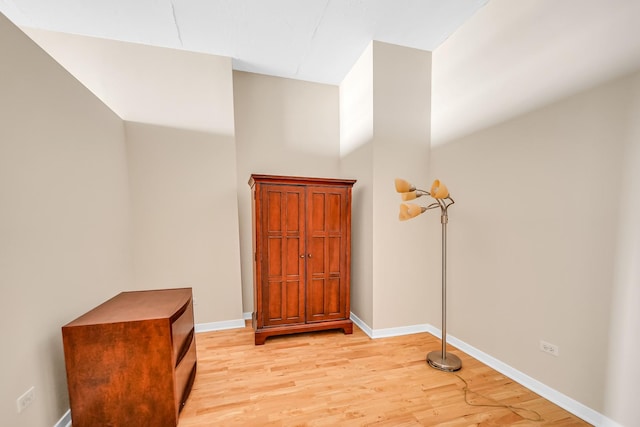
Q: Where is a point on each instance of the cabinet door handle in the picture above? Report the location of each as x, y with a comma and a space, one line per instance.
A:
309, 256
302, 256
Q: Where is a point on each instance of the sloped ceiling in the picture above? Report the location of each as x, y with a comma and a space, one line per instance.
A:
513, 57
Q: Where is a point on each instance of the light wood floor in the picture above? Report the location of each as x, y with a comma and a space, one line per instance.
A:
332, 379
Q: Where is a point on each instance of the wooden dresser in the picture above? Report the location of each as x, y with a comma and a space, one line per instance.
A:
302, 254
131, 361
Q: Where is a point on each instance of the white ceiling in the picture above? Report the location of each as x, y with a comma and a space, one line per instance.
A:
312, 40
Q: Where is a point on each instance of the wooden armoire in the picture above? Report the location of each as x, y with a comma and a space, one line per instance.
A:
302, 254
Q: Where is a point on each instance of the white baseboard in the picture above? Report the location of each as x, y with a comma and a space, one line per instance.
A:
573, 406
365, 328
219, 326
65, 421
395, 332
247, 315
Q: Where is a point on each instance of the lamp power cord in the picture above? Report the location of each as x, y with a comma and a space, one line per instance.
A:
527, 414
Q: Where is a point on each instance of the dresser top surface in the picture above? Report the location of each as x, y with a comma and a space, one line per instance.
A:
136, 306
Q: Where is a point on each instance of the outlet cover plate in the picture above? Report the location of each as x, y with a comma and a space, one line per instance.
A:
549, 348
26, 399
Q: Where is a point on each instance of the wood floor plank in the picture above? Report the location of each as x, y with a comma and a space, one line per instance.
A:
331, 379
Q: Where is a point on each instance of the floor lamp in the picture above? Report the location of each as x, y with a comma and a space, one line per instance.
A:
436, 359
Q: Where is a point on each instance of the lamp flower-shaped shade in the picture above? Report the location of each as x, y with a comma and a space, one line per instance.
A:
411, 195
403, 186
439, 190
410, 210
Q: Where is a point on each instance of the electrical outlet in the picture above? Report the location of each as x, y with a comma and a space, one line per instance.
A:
549, 348
26, 399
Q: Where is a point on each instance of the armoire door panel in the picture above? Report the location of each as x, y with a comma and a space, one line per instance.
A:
294, 265
274, 212
334, 255
315, 296
294, 307
294, 207
317, 211
284, 224
316, 261
333, 298
273, 302
335, 208
274, 257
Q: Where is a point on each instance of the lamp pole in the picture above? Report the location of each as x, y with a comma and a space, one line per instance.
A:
440, 359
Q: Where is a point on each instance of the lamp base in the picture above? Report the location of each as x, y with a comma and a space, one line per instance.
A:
449, 363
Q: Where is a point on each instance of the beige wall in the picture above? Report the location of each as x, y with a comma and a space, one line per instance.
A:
623, 372
185, 217
64, 220
356, 160
283, 127
534, 235
384, 112
401, 128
